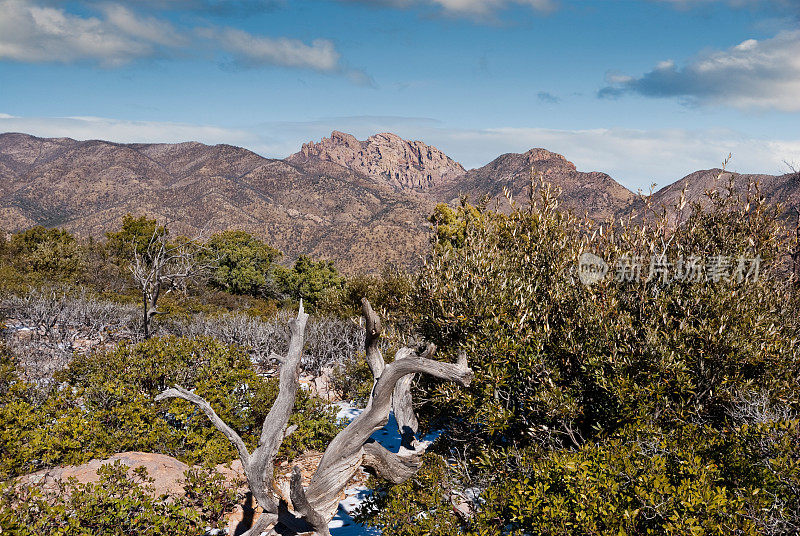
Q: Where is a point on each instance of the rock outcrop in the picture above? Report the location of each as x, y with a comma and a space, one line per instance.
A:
386, 157
167, 472
168, 476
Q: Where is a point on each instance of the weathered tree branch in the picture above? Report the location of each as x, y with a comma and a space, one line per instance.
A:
219, 424
302, 506
373, 330
388, 465
350, 449
258, 465
403, 406
273, 431
345, 453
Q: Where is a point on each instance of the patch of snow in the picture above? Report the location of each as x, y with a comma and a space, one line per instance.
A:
388, 436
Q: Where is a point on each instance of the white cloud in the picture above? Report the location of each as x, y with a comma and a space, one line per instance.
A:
473, 8
480, 7
469, 8
33, 33
635, 158
249, 49
148, 29
753, 74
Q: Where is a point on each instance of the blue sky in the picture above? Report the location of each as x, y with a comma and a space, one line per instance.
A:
645, 90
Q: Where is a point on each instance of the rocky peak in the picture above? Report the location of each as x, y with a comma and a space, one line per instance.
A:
543, 156
405, 165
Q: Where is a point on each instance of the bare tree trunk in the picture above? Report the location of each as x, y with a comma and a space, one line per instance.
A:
145, 317
312, 508
164, 266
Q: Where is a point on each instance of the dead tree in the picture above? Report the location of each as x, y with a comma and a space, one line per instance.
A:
312, 508
164, 267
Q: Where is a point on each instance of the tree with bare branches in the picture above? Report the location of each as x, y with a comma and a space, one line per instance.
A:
164, 266
310, 509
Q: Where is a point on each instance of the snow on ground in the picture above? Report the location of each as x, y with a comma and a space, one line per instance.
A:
388, 436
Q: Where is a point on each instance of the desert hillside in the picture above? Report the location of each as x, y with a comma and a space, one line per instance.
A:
363, 204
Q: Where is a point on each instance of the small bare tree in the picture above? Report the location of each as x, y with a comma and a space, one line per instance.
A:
311, 508
164, 267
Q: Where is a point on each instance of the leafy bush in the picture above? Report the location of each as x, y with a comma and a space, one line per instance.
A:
609, 408
353, 379
388, 293
420, 505
309, 280
105, 405
50, 251
207, 491
243, 263
135, 234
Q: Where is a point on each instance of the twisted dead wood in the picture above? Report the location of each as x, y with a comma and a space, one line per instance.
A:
312, 508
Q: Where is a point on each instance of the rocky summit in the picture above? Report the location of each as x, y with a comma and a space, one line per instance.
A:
385, 157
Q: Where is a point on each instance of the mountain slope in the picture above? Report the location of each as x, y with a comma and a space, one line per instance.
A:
318, 208
360, 203
776, 189
594, 193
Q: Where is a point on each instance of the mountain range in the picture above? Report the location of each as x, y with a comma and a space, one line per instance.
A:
363, 204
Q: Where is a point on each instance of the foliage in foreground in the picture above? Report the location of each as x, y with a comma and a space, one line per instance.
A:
657, 406
104, 404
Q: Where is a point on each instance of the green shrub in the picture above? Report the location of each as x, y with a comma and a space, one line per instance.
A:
309, 280
53, 252
389, 293
353, 379
243, 263
135, 234
207, 491
610, 408
105, 405
420, 505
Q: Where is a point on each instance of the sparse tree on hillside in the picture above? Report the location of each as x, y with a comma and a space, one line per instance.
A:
311, 508
163, 266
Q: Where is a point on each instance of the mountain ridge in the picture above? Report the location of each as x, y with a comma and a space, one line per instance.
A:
363, 211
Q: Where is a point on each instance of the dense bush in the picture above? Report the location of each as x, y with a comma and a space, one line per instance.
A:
104, 404
243, 264
309, 280
135, 234
387, 292
616, 407
421, 505
53, 252
233, 270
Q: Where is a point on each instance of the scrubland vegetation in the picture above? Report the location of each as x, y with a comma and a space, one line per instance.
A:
649, 405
